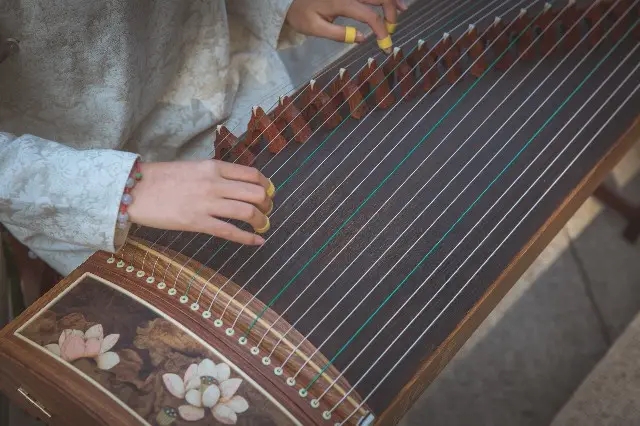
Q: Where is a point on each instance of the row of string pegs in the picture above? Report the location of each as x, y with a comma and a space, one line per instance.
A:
422, 68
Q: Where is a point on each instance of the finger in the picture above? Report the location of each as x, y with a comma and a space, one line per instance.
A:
355, 10
389, 7
401, 5
326, 29
238, 172
238, 210
246, 192
227, 231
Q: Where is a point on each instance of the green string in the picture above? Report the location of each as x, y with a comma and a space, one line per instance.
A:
295, 172
319, 251
555, 113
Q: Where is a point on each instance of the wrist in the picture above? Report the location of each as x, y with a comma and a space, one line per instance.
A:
127, 199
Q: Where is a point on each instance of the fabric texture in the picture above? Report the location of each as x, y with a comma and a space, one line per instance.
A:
97, 83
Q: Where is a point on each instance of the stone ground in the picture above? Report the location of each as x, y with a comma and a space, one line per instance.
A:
530, 355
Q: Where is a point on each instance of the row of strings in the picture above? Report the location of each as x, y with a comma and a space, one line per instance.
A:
567, 15
229, 148
331, 107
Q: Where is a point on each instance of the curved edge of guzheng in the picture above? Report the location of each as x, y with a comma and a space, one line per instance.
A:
433, 365
184, 281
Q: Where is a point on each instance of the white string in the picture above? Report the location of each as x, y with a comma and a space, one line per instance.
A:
504, 240
407, 228
284, 202
335, 189
300, 204
269, 161
397, 311
413, 14
446, 209
266, 164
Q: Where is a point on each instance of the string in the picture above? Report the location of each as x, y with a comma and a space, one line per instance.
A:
211, 237
196, 235
293, 193
335, 149
459, 172
363, 203
176, 237
195, 305
407, 228
620, 107
330, 173
397, 311
509, 164
320, 73
406, 19
275, 211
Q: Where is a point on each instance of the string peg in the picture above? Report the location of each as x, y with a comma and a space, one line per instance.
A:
450, 53
287, 115
261, 125
498, 39
570, 17
396, 66
545, 21
426, 61
372, 78
523, 27
319, 105
592, 17
227, 144
344, 89
471, 42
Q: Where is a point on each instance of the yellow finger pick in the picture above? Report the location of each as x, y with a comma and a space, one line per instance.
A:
270, 209
264, 229
391, 28
271, 190
385, 44
350, 35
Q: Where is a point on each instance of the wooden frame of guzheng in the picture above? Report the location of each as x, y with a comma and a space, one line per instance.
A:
33, 377
71, 397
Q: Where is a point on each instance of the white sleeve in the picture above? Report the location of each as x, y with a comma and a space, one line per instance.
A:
60, 202
266, 19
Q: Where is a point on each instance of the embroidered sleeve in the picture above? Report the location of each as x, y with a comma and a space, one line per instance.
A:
53, 197
266, 19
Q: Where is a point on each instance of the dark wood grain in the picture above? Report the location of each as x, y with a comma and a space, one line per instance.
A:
68, 397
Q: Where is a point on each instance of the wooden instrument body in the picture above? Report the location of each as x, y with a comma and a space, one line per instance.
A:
281, 275
155, 338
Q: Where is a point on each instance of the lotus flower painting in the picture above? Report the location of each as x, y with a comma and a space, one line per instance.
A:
74, 344
207, 387
146, 362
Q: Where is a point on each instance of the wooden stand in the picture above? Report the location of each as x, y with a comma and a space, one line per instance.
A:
623, 207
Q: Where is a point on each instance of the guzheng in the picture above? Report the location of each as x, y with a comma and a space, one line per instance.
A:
412, 191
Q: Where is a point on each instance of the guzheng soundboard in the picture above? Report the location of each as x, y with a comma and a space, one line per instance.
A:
412, 190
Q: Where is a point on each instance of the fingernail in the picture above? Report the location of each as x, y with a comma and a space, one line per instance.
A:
359, 37
258, 240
